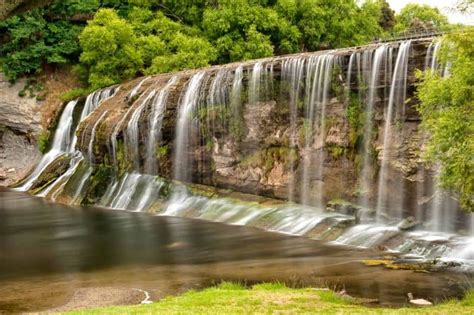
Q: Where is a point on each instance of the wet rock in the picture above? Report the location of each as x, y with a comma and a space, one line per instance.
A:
408, 224
52, 172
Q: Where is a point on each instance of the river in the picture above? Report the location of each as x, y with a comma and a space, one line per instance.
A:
50, 251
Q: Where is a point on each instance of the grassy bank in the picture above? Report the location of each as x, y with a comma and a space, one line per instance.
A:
230, 298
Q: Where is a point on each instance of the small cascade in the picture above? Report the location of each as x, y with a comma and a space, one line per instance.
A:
392, 117
255, 83
367, 176
118, 127
215, 108
94, 99
134, 92
318, 83
131, 133
292, 73
188, 104
134, 192
236, 102
90, 147
63, 139
155, 122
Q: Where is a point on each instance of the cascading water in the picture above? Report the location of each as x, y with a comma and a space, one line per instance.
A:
292, 71
214, 107
90, 147
63, 140
318, 82
155, 123
396, 100
255, 83
367, 156
186, 111
131, 133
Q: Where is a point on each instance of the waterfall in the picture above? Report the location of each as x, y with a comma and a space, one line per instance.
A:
217, 104
155, 122
186, 111
132, 139
319, 76
367, 157
255, 82
90, 148
61, 145
134, 92
396, 99
236, 102
292, 72
118, 127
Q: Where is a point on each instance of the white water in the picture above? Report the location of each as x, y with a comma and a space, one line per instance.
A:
155, 123
318, 82
90, 147
255, 83
186, 112
61, 145
396, 100
292, 72
132, 140
366, 174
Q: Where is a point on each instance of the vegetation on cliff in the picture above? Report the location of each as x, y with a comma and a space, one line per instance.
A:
447, 109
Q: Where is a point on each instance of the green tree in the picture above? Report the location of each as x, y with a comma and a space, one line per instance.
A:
245, 29
420, 17
109, 49
331, 24
387, 19
30, 40
447, 110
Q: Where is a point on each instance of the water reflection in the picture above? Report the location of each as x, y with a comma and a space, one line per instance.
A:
47, 251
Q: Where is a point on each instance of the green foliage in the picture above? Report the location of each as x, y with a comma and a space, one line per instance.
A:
335, 151
73, 94
161, 152
330, 24
43, 141
447, 110
420, 17
267, 158
126, 38
355, 118
109, 49
30, 40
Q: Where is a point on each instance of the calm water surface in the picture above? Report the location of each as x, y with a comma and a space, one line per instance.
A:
48, 251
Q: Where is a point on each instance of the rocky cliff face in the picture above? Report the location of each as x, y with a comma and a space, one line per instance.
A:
20, 125
308, 127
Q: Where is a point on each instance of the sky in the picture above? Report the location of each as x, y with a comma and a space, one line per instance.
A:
443, 5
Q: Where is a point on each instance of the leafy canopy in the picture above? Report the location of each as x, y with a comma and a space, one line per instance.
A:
447, 110
420, 17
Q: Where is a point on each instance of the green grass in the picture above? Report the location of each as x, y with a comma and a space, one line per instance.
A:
273, 298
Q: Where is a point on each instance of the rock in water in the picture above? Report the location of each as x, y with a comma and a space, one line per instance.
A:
408, 224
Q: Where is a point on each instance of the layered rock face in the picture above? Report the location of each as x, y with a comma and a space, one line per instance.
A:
308, 128
20, 125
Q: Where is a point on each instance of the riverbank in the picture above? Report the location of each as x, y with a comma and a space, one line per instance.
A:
231, 298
